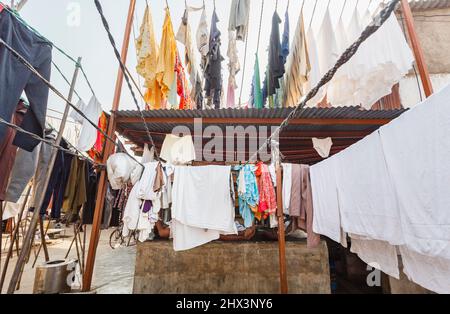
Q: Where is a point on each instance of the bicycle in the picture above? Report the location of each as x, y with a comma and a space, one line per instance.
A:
117, 239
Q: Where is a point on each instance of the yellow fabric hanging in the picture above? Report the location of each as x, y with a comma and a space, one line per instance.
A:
166, 61
147, 51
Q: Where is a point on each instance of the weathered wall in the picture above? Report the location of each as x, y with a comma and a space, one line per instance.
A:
433, 29
231, 267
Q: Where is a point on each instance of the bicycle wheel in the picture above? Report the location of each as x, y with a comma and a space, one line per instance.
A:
116, 239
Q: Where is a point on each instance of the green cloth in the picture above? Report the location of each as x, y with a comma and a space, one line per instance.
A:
257, 87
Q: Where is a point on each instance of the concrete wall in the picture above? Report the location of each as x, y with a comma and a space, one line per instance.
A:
230, 267
433, 30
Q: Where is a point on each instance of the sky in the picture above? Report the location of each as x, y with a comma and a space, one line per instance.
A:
75, 26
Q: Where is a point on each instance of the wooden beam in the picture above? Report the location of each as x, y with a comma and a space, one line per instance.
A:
417, 49
281, 232
254, 121
109, 148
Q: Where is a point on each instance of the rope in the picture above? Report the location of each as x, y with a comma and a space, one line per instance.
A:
65, 78
127, 79
244, 65
43, 140
57, 92
260, 26
345, 57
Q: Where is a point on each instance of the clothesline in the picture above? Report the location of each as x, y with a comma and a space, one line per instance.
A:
345, 57
56, 91
48, 142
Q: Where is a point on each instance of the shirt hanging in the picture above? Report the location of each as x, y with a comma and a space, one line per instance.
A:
88, 133
298, 67
239, 17
166, 60
276, 67
184, 36
147, 53
233, 67
213, 72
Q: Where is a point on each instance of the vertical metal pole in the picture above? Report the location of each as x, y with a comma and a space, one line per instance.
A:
35, 218
281, 231
15, 236
417, 49
101, 192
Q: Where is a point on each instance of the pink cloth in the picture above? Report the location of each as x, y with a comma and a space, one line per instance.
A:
301, 207
230, 96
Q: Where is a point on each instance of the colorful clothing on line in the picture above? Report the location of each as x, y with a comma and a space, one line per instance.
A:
248, 193
267, 197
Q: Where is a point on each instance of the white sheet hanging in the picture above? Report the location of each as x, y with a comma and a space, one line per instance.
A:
202, 208
287, 187
417, 150
88, 133
431, 273
367, 200
121, 169
178, 150
378, 254
327, 219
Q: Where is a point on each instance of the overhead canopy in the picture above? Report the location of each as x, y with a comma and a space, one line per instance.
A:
345, 126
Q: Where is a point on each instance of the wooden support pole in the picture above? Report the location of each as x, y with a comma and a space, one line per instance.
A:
28, 241
15, 237
101, 192
43, 241
417, 49
281, 231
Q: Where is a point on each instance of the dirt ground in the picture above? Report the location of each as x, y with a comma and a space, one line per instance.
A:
113, 273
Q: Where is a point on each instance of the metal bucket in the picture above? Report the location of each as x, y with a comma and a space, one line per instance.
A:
54, 277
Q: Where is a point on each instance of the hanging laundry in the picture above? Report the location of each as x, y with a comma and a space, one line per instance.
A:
201, 214
88, 133
298, 67
417, 151
301, 203
213, 71
39, 53
202, 37
147, 55
364, 80
75, 194
248, 194
267, 198
42, 166
327, 219
165, 70
143, 204
279, 96
122, 169
148, 155
234, 67
96, 152
184, 36
92, 178
57, 184
275, 67
323, 146
287, 187
22, 172
8, 151
178, 150
182, 86
239, 18
256, 90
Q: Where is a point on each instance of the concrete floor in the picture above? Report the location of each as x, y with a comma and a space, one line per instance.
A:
113, 273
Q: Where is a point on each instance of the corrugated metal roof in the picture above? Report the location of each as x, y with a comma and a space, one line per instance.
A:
306, 113
429, 4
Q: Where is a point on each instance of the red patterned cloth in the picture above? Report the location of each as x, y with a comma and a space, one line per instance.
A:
96, 152
182, 86
267, 197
